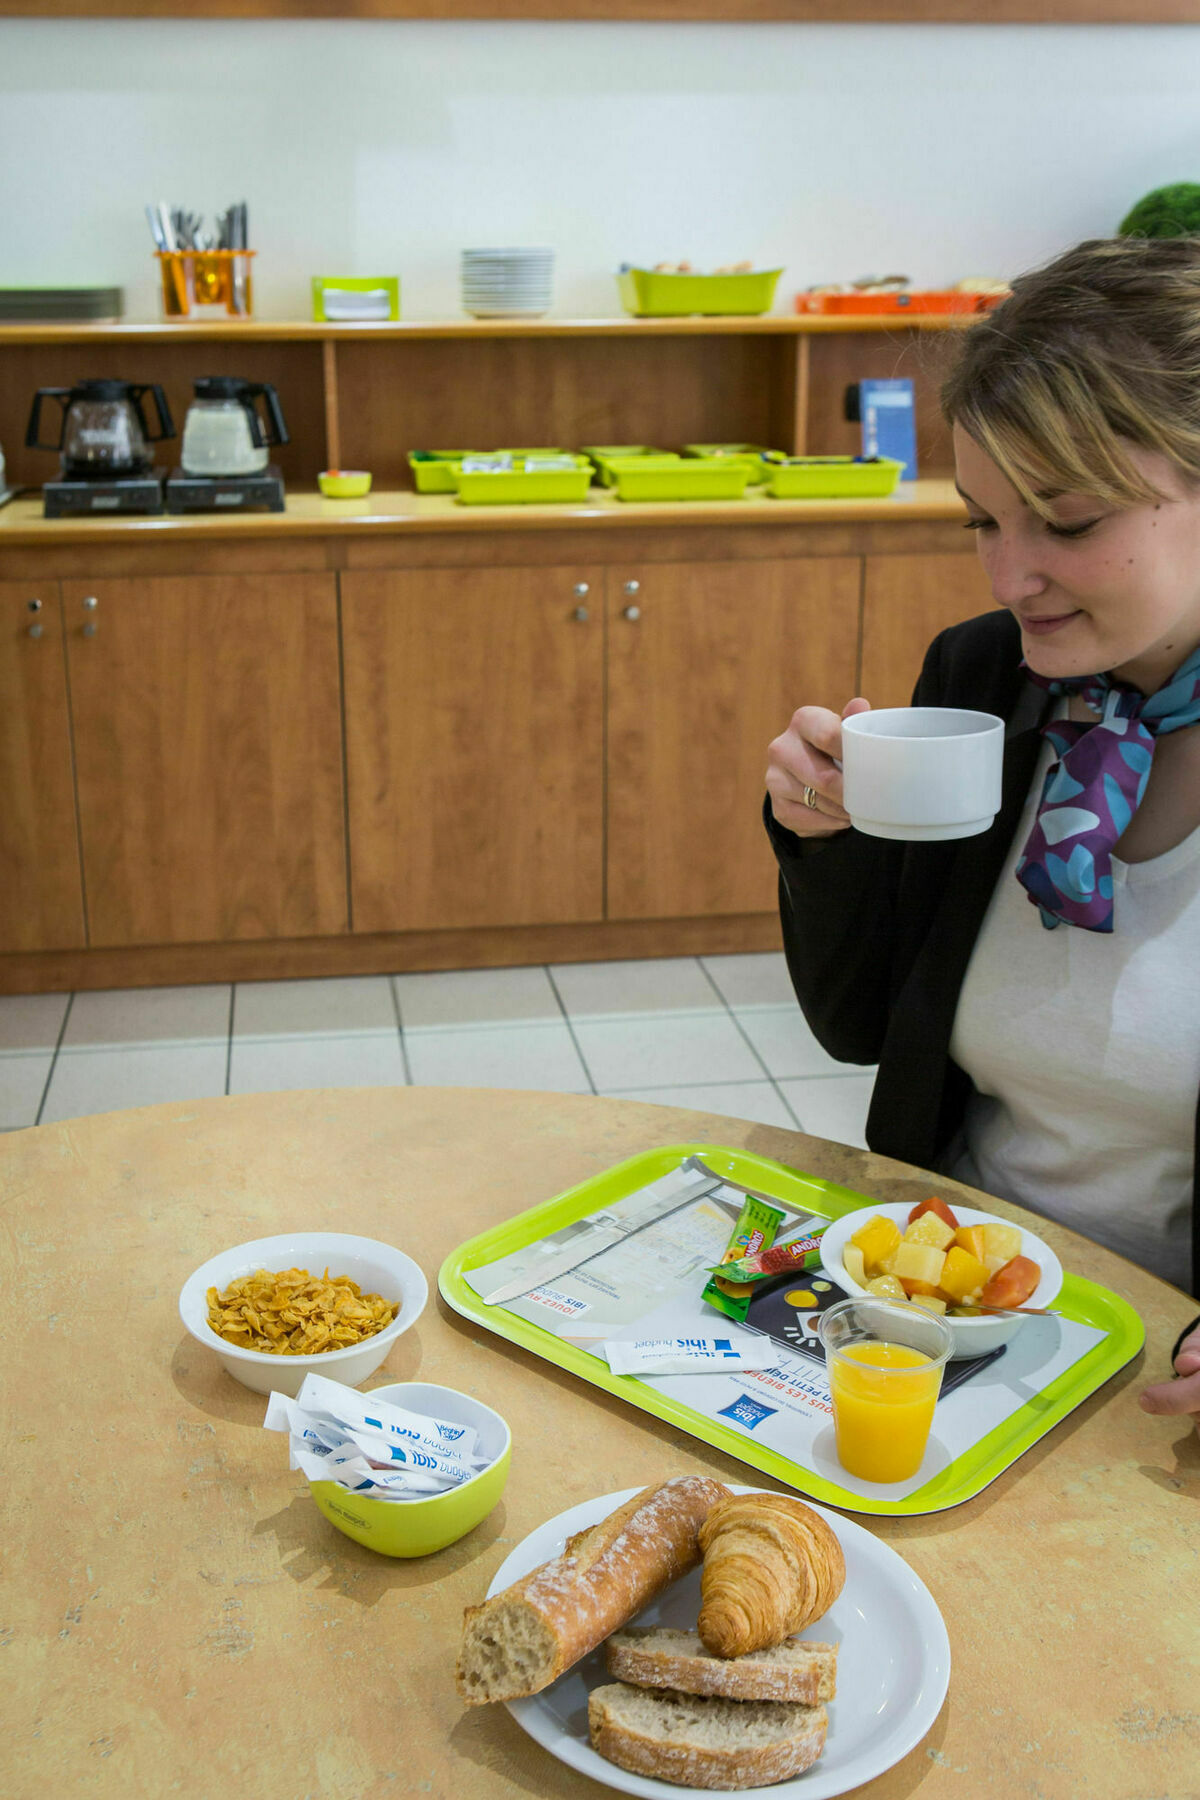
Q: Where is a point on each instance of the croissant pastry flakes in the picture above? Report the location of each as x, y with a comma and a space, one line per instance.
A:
771, 1566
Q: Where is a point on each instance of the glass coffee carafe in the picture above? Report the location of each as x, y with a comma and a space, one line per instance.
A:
103, 434
223, 434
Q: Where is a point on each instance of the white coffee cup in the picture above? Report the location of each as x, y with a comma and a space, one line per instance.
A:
922, 772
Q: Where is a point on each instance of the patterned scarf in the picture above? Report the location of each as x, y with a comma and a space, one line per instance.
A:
1095, 787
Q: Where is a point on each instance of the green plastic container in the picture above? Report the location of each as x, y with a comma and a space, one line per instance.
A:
751, 454
832, 477
433, 470
680, 477
520, 485
602, 455
649, 294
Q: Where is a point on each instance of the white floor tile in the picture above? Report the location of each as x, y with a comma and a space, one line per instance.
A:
756, 1100
22, 1084
784, 1041
757, 978
476, 997
832, 1106
665, 1052
268, 1065
95, 1081
600, 990
340, 1006
31, 1021
165, 1015
517, 1056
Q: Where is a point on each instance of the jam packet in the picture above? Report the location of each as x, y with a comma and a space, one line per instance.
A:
757, 1227
802, 1252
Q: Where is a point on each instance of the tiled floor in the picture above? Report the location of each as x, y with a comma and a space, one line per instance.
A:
719, 1032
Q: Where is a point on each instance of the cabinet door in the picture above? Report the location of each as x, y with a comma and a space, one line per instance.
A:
907, 600
41, 899
474, 746
707, 663
208, 757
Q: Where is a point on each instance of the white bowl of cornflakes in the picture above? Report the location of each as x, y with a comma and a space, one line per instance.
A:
274, 1291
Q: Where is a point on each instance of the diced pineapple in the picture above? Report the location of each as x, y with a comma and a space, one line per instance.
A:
962, 1274
876, 1239
993, 1264
886, 1287
922, 1262
931, 1302
1003, 1241
852, 1262
930, 1229
970, 1239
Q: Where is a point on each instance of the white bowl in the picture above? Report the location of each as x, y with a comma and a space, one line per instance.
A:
377, 1268
972, 1337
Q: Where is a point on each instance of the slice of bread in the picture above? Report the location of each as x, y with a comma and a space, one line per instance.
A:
653, 1657
704, 1742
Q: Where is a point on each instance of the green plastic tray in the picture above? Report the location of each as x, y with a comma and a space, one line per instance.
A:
602, 455
832, 477
520, 486
751, 454
649, 294
679, 477
433, 470
1080, 1300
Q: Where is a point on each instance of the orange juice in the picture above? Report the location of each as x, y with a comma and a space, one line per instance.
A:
883, 1400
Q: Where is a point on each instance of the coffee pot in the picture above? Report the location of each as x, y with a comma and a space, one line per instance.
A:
223, 434
102, 431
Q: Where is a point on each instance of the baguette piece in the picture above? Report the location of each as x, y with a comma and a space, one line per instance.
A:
522, 1639
704, 1743
651, 1656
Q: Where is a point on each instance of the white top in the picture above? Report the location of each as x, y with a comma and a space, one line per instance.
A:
1084, 1050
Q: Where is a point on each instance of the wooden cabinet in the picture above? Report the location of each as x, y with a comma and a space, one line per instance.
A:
41, 899
907, 600
474, 746
208, 756
707, 663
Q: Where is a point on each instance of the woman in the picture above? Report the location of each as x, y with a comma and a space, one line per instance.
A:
1032, 994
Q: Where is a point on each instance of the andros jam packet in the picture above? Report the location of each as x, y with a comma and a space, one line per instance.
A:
802, 1252
757, 1227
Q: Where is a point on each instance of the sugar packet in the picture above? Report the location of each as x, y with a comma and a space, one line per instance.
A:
686, 1355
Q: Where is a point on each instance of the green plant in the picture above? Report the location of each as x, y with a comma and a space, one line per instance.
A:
1166, 212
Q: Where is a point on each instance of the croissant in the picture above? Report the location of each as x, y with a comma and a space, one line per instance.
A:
771, 1566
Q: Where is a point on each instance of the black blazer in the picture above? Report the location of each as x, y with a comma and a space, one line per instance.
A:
878, 934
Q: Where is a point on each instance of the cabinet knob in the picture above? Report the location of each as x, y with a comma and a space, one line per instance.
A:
631, 612
35, 631
633, 587
581, 588
89, 629
90, 602
580, 613
34, 605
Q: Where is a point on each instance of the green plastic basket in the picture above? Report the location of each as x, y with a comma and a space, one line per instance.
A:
520, 486
603, 454
832, 477
650, 294
680, 477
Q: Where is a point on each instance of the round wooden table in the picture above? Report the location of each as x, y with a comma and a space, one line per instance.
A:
179, 1618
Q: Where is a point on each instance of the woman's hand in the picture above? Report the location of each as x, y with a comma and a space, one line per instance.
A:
805, 760
1181, 1396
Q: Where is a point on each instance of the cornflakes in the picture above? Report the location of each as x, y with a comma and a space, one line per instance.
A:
293, 1313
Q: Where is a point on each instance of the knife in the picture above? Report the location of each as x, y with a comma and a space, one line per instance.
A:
598, 1236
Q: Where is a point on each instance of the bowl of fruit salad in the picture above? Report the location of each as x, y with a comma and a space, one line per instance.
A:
951, 1260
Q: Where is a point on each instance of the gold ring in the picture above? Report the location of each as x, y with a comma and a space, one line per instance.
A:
810, 798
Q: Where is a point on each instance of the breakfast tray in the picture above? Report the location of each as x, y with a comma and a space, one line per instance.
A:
1081, 1301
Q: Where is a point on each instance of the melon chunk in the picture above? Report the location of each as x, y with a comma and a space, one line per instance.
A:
919, 1262
930, 1229
876, 1239
962, 1274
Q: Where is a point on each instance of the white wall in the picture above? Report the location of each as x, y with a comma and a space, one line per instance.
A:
372, 147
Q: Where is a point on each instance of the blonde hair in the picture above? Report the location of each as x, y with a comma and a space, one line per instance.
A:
1095, 353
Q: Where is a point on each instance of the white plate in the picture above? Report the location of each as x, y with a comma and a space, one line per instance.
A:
893, 1664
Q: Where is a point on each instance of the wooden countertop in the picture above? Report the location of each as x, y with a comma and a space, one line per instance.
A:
180, 1619
311, 515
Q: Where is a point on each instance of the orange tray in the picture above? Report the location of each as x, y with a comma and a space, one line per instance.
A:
930, 301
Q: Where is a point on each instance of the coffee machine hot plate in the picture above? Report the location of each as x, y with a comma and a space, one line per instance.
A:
262, 492
118, 494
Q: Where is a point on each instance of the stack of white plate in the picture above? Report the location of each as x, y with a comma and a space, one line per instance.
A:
507, 284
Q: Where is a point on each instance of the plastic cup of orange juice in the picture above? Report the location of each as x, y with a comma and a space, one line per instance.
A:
884, 1361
